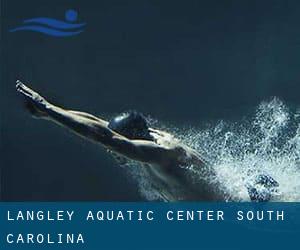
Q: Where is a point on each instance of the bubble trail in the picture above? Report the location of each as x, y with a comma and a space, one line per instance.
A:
266, 142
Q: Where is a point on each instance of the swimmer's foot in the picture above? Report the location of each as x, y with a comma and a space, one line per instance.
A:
34, 103
263, 188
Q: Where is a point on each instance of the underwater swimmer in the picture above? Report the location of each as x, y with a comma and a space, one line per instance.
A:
129, 135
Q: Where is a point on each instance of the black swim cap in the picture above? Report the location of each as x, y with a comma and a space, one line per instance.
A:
132, 125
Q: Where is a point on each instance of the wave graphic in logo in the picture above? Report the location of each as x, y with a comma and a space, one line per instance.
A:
53, 27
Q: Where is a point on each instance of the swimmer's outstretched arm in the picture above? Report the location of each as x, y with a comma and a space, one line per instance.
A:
95, 129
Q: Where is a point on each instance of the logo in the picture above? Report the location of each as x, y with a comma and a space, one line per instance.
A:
53, 27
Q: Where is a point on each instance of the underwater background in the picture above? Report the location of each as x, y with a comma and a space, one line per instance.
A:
222, 75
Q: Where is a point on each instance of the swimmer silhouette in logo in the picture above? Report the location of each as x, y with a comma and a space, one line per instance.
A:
53, 27
166, 158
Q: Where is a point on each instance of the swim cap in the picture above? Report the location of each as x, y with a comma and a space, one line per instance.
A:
132, 125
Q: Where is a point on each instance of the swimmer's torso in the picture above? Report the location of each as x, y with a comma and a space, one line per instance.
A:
180, 183
177, 179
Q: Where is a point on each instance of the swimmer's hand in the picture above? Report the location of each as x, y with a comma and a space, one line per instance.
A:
35, 103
